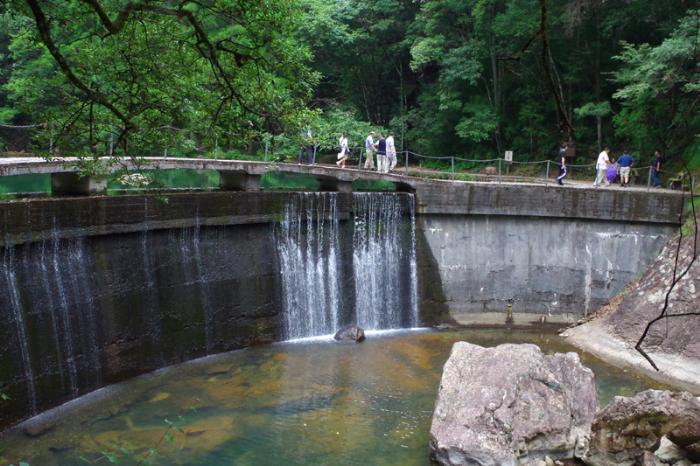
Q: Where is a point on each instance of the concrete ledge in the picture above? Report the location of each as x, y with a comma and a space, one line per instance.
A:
238, 181
462, 198
434, 196
674, 370
74, 184
31, 220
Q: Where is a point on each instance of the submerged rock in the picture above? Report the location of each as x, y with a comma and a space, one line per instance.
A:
350, 333
630, 427
511, 405
37, 428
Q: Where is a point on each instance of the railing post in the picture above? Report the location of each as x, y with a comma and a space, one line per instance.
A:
313, 161
359, 165
546, 174
452, 159
216, 148
406, 153
165, 153
111, 142
649, 180
499, 171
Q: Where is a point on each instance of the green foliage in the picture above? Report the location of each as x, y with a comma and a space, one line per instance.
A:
330, 124
661, 81
287, 181
593, 109
373, 185
155, 83
465, 77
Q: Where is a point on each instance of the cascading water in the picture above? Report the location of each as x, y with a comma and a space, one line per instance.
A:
20, 327
307, 239
384, 267
190, 251
385, 292
64, 314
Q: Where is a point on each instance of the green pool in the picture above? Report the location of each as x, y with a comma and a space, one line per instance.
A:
302, 403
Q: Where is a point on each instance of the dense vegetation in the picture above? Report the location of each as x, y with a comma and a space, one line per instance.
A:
452, 77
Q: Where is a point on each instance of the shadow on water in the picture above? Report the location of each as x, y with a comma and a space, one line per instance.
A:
295, 404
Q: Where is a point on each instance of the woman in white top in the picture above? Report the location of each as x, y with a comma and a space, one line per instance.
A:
391, 151
344, 150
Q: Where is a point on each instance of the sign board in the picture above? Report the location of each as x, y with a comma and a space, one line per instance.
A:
509, 156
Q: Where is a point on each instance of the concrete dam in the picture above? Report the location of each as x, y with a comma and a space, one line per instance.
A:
98, 289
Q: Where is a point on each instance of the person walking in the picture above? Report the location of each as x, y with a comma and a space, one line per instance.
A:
601, 167
369, 151
307, 148
562, 161
391, 151
382, 162
656, 169
344, 150
625, 162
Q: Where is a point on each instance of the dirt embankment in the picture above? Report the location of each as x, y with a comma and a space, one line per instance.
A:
673, 342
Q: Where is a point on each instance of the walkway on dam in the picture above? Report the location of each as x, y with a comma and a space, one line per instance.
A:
235, 172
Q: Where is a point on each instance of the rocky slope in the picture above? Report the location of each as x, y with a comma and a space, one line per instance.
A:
673, 343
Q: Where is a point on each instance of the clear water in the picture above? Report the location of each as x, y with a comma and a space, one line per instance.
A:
302, 403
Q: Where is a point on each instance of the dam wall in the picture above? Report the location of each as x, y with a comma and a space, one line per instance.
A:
98, 289
556, 267
95, 290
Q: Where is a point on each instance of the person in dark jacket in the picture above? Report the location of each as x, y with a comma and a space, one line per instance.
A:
382, 160
656, 169
562, 161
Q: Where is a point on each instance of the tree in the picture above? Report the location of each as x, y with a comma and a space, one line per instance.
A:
141, 69
598, 111
660, 89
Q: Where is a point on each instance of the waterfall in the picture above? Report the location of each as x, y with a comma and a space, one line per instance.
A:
385, 272
64, 313
20, 327
385, 292
149, 278
307, 238
413, 263
191, 260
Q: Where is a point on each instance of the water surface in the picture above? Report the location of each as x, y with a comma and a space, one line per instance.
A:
298, 403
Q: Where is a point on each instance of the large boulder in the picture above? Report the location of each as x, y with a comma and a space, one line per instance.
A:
629, 427
511, 405
688, 437
350, 333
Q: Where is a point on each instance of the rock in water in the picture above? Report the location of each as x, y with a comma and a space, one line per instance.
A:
511, 405
629, 427
350, 333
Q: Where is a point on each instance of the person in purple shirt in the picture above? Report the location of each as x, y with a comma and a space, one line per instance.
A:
611, 173
625, 162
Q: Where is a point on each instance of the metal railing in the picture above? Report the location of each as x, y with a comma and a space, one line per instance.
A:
498, 164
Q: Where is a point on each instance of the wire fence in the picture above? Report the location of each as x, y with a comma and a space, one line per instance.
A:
503, 170
445, 167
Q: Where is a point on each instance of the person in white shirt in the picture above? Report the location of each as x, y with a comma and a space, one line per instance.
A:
601, 167
391, 151
344, 150
369, 151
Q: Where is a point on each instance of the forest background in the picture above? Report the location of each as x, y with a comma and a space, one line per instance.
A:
246, 78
